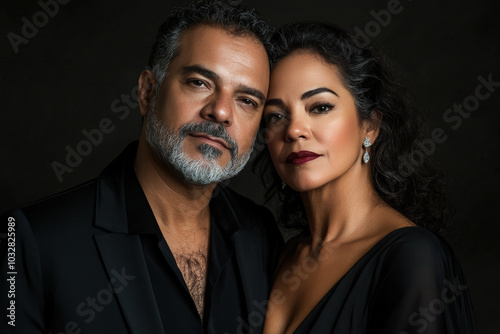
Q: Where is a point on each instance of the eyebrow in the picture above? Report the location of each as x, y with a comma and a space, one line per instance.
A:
252, 91
306, 95
274, 102
212, 75
316, 91
200, 70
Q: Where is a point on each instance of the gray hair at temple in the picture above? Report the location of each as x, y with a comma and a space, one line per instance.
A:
229, 15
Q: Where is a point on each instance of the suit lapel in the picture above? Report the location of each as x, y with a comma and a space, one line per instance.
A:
124, 261
122, 253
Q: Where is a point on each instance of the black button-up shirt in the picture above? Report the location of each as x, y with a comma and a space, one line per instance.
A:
224, 296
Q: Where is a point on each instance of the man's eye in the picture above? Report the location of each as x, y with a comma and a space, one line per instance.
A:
197, 83
249, 102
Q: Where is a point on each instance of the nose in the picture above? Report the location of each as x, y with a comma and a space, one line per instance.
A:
297, 129
219, 109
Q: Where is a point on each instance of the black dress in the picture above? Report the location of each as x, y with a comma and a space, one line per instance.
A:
409, 282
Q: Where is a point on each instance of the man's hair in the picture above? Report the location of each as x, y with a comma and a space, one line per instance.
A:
229, 15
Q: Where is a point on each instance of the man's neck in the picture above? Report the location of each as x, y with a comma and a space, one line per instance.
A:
183, 216
176, 204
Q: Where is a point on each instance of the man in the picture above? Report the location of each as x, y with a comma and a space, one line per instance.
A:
153, 245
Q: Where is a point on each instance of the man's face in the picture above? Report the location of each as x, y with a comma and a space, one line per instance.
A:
204, 119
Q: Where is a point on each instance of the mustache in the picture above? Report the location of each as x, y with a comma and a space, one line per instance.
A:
213, 130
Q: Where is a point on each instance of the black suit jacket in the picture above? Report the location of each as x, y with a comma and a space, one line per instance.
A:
77, 270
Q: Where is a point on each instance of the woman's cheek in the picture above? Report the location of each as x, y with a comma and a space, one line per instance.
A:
340, 133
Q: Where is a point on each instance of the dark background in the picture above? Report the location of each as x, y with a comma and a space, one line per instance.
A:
76, 69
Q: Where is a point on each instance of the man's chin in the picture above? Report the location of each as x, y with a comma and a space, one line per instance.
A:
222, 161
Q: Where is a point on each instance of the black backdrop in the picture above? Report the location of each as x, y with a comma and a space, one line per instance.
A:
72, 68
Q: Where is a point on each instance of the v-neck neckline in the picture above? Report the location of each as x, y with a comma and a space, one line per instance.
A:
357, 265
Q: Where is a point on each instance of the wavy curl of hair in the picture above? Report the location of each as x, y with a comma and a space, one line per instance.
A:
414, 189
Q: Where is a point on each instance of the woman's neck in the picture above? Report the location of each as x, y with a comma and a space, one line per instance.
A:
341, 210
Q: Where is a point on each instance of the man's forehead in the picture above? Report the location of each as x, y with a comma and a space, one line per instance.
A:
229, 31
201, 39
216, 49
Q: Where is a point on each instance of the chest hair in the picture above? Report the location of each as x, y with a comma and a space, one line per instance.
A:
193, 267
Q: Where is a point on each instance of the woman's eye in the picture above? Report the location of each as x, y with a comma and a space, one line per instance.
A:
273, 118
322, 108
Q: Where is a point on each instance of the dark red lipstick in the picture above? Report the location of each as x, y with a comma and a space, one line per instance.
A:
299, 158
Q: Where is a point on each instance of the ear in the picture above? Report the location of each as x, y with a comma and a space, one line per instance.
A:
147, 85
372, 125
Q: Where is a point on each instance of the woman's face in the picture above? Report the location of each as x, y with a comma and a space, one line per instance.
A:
313, 133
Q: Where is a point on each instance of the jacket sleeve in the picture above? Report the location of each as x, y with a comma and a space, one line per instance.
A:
21, 285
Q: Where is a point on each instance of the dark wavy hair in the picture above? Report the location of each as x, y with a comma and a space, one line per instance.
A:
229, 15
412, 186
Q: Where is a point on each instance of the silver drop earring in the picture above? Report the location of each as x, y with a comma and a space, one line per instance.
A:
366, 144
283, 185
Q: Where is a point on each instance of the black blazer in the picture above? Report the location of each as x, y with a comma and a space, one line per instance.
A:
75, 261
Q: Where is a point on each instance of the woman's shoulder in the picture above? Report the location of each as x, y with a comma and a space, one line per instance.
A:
416, 250
412, 240
416, 271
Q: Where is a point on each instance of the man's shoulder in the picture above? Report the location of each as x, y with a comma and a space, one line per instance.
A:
69, 206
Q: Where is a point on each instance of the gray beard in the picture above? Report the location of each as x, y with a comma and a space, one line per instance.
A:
168, 145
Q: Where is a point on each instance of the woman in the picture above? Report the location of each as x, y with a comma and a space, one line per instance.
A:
338, 131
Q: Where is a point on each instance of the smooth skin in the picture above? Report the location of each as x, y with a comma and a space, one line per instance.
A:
216, 77
309, 109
